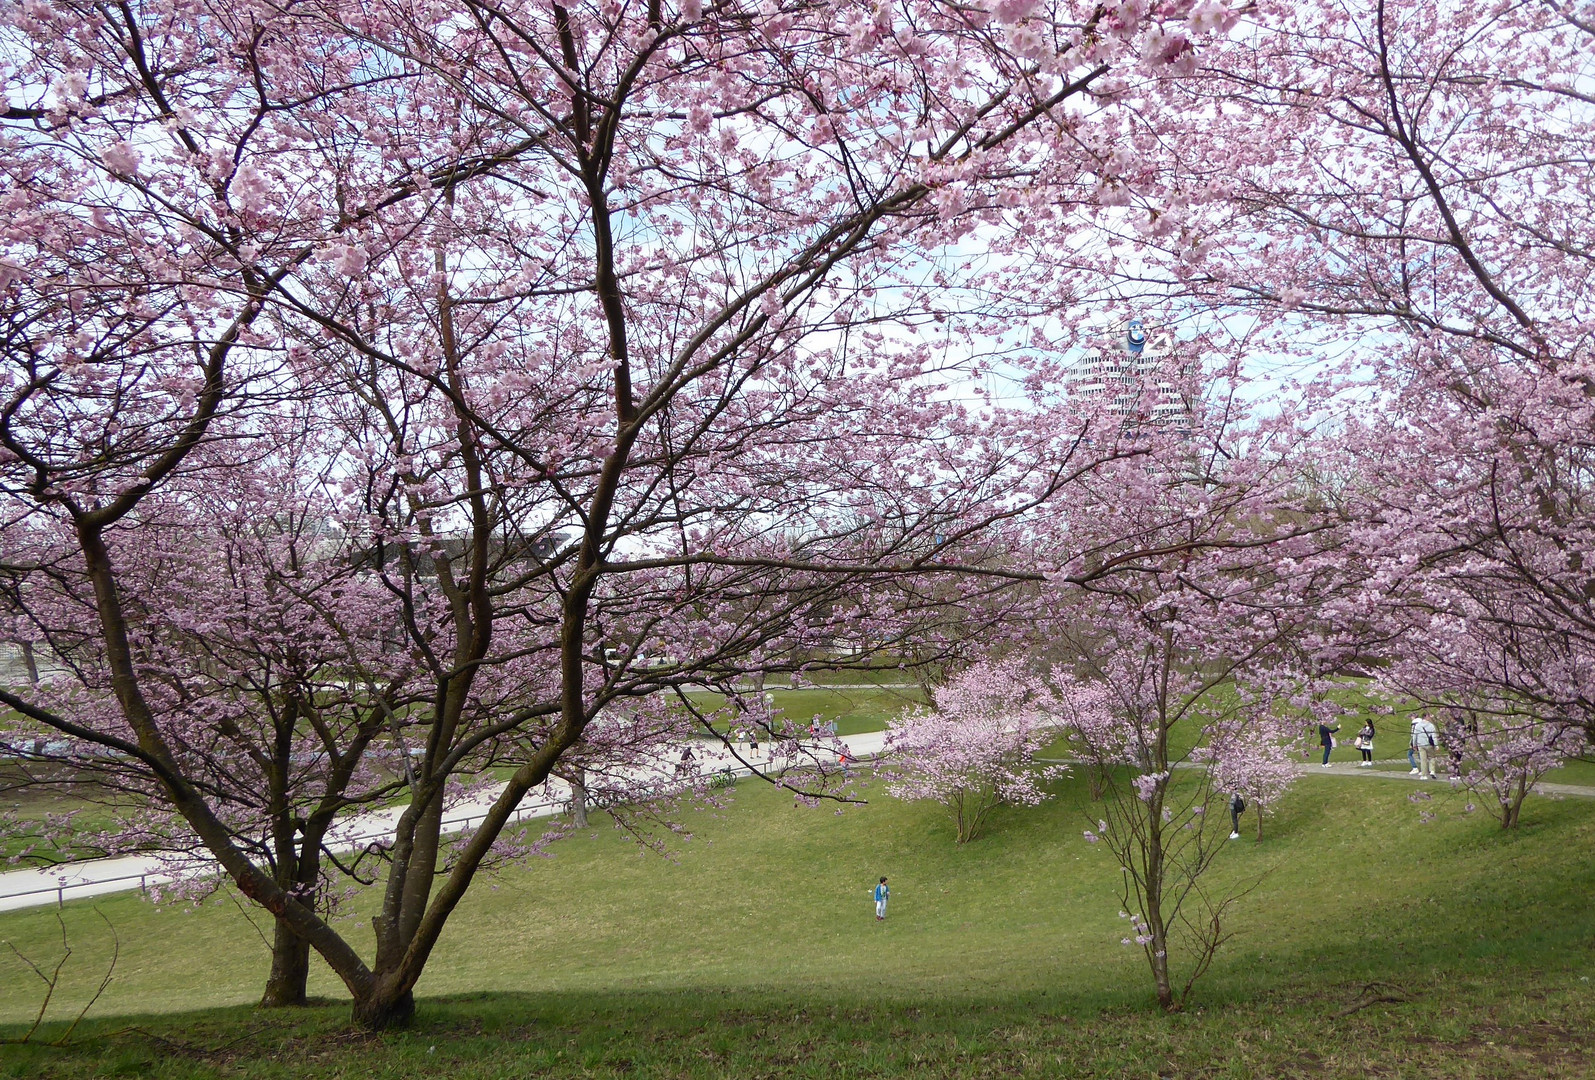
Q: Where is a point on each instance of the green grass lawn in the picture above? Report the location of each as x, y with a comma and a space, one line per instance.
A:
26, 806
754, 952
854, 708
890, 676
1581, 771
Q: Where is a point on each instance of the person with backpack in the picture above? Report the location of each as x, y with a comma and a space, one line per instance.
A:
1424, 741
1365, 744
1237, 807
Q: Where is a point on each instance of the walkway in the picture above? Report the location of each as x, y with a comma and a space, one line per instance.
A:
126, 873
1402, 772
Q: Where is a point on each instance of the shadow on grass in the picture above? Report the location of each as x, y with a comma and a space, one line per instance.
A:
1457, 1026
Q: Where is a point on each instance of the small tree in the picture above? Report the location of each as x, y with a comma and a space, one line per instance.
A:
1165, 661
1506, 753
974, 749
1161, 833
1253, 753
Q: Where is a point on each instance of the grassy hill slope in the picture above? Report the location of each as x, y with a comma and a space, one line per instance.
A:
754, 951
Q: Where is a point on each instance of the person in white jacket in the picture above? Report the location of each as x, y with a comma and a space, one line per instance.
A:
1424, 740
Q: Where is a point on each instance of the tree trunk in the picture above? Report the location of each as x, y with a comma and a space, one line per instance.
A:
1153, 864
1512, 806
1160, 969
578, 800
290, 969
1259, 821
384, 1010
32, 664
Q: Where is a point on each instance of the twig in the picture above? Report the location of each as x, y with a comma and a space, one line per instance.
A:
51, 980
1374, 993
116, 952
178, 1046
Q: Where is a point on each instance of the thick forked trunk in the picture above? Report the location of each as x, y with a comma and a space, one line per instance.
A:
290, 969
1512, 807
290, 952
384, 1009
1512, 810
421, 872
389, 921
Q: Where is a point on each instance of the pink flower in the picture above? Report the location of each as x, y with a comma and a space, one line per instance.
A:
1012, 11
121, 157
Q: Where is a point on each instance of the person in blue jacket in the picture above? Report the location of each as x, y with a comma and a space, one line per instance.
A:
882, 894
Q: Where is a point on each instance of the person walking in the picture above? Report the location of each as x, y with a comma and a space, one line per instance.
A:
1237, 807
1424, 741
1365, 744
882, 894
1326, 736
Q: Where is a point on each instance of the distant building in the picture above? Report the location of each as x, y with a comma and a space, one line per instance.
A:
1134, 365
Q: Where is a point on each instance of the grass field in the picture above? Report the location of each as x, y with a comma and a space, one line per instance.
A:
28, 807
854, 708
754, 953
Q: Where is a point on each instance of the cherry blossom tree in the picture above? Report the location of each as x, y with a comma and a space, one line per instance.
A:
634, 330
974, 748
1168, 667
1164, 830
1504, 756
265, 656
1406, 184
168, 173
1254, 753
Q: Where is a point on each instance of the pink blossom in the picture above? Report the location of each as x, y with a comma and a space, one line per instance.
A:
975, 749
121, 157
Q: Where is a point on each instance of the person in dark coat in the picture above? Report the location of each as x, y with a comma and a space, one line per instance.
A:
1326, 737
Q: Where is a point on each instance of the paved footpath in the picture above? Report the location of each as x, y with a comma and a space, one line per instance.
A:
97, 877
1351, 768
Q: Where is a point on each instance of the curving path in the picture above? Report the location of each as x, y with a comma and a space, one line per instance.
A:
36, 887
